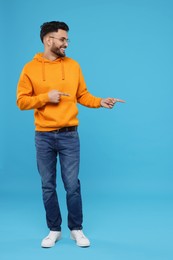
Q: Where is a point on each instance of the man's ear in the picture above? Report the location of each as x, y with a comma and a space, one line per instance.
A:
47, 40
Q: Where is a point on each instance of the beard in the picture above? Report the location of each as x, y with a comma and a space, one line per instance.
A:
58, 51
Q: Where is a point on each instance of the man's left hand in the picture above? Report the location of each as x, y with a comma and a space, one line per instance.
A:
110, 102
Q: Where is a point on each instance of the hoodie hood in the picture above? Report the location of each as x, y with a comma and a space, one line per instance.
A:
39, 58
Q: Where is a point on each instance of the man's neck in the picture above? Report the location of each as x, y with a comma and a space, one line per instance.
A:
50, 56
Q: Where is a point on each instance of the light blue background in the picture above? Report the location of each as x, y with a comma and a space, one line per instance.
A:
125, 51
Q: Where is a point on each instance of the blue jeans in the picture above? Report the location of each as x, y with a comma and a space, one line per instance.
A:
48, 146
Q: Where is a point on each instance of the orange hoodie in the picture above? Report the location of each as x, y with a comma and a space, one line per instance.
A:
40, 76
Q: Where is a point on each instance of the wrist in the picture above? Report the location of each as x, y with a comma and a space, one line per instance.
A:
101, 103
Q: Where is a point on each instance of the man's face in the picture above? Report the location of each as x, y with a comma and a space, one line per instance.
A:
59, 42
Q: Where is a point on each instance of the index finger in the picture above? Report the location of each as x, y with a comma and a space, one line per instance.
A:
120, 100
64, 94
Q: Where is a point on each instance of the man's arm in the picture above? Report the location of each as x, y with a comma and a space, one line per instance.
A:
86, 99
27, 100
25, 95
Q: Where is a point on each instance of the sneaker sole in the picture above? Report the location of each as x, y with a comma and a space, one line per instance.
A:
44, 246
80, 245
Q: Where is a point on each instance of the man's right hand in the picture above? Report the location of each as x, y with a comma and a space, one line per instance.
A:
55, 96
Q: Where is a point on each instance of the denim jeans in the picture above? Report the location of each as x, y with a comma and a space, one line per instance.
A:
66, 145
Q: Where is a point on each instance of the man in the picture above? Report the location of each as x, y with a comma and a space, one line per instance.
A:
52, 84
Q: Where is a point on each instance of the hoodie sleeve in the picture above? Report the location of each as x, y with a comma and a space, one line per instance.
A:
25, 95
84, 97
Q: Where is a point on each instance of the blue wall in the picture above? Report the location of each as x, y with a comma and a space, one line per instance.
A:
125, 50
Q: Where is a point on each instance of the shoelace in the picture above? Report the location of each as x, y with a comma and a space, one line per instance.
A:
49, 238
80, 234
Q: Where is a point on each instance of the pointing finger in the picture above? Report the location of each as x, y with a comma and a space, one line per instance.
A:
120, 100
63, 94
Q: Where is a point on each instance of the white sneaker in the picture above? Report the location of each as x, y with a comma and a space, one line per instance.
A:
51, 239
80, 238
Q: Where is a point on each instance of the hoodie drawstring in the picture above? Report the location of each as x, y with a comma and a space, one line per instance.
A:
62, 69
43, 70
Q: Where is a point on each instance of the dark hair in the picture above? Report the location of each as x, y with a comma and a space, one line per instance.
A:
53, 26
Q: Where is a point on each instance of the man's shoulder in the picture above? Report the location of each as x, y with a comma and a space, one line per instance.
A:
30, 64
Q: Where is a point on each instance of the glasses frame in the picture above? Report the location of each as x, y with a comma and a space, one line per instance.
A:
63, 40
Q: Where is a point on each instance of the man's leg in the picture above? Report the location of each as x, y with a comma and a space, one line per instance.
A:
69, 154
46, 161
69, 158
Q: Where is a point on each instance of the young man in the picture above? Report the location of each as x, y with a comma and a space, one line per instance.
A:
52, 84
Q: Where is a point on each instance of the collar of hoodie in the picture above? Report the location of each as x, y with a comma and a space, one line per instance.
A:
43, 61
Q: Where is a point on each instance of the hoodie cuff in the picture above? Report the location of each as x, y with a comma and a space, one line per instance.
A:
44, 98
99, 102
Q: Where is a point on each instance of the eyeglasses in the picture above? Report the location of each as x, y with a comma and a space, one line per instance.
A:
63, 40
